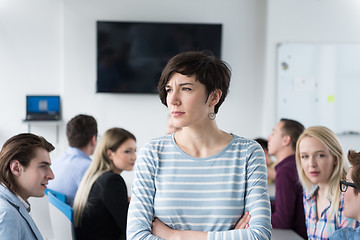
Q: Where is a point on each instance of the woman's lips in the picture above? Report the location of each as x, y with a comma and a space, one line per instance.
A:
177, 114
314, 173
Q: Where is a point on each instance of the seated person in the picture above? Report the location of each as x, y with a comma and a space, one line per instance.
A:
101, 202
170, 128
321, 166
351, 191
69, 168
24, 172
288, 208
270, 164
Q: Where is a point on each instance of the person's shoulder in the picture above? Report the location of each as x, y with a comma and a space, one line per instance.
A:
162, 139
345, 233
111, 177
243, 140
245, 143
7, 210
159, 142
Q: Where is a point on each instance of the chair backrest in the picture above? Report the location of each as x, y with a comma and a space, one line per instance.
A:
58, 195
62, 218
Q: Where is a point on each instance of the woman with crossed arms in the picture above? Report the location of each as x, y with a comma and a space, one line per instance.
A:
198, 182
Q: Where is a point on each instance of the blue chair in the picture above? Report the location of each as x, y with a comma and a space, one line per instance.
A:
58, 195
62, 218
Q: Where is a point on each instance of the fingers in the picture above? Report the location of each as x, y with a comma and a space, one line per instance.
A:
243, 223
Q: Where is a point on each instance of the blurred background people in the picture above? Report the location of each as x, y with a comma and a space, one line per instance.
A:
69, 168
170, 126
101, 202
270, 164
288, 208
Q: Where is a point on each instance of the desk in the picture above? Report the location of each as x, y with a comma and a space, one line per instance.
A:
285, 234
56, 123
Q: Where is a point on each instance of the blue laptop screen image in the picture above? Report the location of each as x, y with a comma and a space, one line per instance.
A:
42, 107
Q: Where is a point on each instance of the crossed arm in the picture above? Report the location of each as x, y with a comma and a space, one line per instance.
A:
162, 231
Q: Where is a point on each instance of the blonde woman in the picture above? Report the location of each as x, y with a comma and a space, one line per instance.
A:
320, 165
101, 202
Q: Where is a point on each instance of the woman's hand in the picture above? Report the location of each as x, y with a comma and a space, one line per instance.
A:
243, 223
161, 230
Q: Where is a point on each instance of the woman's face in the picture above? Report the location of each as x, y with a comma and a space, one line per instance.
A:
124, 157
316, 160
187, 100
32, 180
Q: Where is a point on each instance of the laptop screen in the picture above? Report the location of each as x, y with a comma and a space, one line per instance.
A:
42, 107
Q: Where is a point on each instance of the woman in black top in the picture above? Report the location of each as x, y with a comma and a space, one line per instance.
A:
101, 202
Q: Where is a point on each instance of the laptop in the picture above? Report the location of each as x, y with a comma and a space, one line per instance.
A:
42, 108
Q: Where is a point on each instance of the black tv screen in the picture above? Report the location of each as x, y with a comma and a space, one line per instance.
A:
131, 55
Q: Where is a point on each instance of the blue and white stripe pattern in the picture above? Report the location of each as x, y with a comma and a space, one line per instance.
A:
200, 194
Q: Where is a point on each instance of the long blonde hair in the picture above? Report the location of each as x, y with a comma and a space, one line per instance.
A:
112, 139
329, 139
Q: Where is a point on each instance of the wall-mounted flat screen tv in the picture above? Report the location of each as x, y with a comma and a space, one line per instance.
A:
131, 55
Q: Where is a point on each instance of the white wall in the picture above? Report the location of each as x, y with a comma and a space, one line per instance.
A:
51, 48
29, 59
48, 47
308, 21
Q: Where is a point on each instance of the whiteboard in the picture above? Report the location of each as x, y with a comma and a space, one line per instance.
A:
319, 84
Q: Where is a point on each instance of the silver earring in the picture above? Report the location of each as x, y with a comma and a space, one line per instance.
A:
212, 116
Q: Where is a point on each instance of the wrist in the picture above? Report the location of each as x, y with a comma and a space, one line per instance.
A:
175, 234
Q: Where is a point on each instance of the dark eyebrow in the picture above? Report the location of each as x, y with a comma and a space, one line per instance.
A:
46, 163
181, 85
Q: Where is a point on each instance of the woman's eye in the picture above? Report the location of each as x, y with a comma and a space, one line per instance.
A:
321, 155
304, 156
186, 89
168, 90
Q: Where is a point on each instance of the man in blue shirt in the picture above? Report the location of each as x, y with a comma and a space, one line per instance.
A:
69, 168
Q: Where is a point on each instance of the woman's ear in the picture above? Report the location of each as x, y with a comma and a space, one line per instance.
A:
109, 153
215, 97
16, 168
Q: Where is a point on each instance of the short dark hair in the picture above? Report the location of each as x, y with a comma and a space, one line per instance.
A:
293, 129
209, 70
263, 143
80, 129
21, 147
354, 159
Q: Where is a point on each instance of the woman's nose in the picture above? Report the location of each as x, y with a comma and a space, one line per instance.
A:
173, 98
312, 161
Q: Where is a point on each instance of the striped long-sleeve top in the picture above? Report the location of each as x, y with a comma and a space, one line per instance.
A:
200, 194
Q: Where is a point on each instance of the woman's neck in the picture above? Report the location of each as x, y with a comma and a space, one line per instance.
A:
322, 191
202, 142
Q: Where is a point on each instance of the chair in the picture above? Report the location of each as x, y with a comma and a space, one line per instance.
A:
58, 195
62, 218
41, 215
